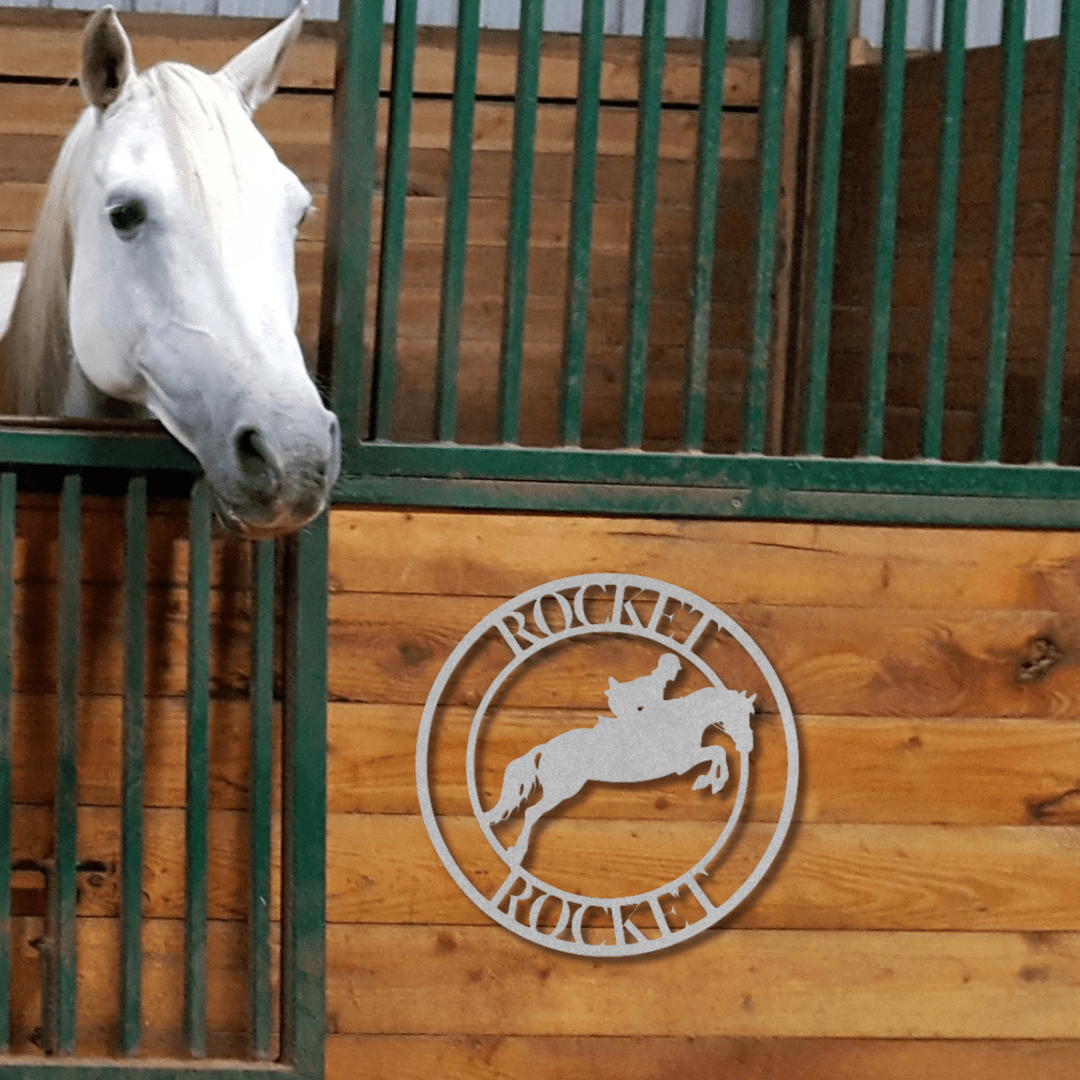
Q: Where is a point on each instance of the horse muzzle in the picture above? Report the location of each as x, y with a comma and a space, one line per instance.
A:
273, 488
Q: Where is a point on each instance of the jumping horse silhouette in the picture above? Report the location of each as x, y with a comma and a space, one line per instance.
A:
662, 739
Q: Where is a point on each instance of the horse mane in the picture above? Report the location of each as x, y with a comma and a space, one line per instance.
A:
36, 350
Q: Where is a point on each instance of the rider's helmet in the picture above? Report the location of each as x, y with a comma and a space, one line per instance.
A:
668, 666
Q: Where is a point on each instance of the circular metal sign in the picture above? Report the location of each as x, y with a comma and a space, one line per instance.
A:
524, 792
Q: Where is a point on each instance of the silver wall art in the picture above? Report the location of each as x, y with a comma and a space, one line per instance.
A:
577, 709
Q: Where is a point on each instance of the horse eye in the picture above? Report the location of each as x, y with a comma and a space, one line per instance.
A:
127, 216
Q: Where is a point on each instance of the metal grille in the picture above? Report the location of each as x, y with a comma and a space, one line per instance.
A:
694, 479
291, 962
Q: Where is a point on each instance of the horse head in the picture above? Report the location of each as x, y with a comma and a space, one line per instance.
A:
182, 294
736, 720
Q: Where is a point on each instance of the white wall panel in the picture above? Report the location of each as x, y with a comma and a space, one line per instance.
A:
684, 17
983, 21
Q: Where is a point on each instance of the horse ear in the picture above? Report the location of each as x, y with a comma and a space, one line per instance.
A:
253, 73
107, 60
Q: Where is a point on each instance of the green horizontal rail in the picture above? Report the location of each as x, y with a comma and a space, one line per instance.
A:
137, 449
596, 467
15, 1067
775, 501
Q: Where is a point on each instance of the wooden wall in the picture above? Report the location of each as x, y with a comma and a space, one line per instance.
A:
968, 335
35, 115
922, 921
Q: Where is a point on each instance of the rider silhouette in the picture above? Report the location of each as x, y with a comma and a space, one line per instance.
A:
644, 695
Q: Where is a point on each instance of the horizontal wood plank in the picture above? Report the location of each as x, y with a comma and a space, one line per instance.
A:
603, 1057
455, 553
970, 771
305, 119
834, 661
382, 869
484, 981
44, 43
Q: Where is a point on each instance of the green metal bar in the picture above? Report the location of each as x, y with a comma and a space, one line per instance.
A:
642, 215
516, 280
706, 186
131, 802
716, 485
59, 1000
22, 1067
673, 469
303, 891
94, 449
1064, 214
951, 506
770, 126
586, 129
954, 51
262, 729
8, 502
824, 242
198, 785
456, 227
892, 108
395, 189
1012, 97
349, 213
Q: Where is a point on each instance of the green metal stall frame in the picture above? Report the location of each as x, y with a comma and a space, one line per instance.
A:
134, 464
752, 483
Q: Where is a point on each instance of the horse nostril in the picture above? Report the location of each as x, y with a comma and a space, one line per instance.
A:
257, 462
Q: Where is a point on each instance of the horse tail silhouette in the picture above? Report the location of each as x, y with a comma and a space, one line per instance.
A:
519, 781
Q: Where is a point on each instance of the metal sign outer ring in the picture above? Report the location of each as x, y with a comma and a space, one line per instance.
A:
604, 580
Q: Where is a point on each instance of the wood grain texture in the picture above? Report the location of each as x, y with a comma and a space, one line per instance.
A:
744, 562
162, 971
383, 870
403, 1057
836, 661
484, 981
46, 43
872, 770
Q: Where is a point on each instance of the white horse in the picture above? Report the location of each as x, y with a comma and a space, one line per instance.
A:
665, 741
161, 279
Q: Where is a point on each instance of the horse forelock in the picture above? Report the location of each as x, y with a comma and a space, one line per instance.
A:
206, 131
